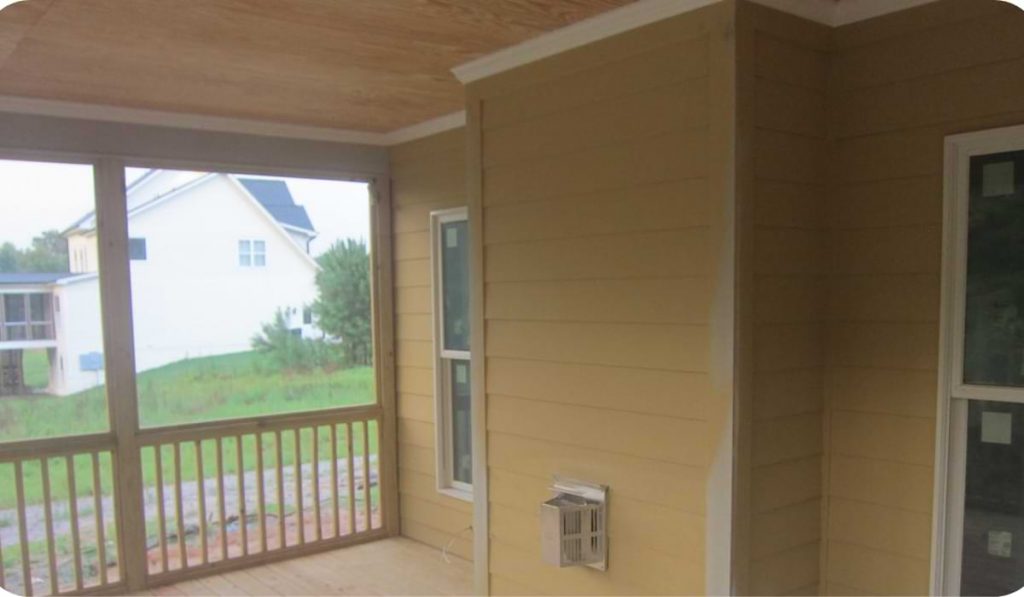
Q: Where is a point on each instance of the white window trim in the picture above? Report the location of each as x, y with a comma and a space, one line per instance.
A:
446, 484
953, 394
252, 252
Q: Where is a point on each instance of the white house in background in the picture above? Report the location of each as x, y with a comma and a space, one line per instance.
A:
213, 257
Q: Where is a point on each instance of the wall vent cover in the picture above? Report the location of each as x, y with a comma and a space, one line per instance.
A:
574, 525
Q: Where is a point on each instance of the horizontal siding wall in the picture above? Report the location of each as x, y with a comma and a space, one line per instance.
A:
428, 174
902, 83
599, 220
791, 65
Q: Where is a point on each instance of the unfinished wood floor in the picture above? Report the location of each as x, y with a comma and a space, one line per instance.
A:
388, 567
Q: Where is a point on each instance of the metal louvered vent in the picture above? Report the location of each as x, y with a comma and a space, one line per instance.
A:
573, 525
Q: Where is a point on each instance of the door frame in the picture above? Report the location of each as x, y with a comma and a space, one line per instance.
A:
953, 394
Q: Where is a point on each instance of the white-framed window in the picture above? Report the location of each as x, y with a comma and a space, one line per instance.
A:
979, 491
252, 253
450, 263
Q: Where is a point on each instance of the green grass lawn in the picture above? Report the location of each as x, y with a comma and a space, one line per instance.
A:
213, 388
36, 369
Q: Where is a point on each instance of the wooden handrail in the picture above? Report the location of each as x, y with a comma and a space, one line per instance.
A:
258, 424
56, 446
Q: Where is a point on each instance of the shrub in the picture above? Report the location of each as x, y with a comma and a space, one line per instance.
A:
289, 351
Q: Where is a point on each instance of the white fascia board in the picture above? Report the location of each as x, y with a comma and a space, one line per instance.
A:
81, 111
427, 128
581, 33
853, 11
832, 13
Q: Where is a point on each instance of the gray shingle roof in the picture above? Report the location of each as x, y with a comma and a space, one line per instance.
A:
275, 197
11, 279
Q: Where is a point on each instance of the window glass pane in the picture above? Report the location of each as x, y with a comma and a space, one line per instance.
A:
14, 308
455, 282
993, 544
994, 330
462, 425
137, 249
48, 217
216, 341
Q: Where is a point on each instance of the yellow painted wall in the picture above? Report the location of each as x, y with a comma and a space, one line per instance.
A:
784, 64
427, 174
605, 255
901, 83
606, 284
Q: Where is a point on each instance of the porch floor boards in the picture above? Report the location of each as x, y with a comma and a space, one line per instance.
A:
395, 566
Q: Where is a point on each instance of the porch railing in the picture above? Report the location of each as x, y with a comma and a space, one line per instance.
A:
58, 521
215, 496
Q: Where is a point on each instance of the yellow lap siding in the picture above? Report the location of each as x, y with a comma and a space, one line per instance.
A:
428, 174
877, 527
673, 393
675, 108
897, 392
671, 301
681, 61
661, 206
882, 482
660, 254
664, 157
657, 481
876, 571
644, 436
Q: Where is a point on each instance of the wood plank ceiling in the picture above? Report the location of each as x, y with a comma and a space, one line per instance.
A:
366, 65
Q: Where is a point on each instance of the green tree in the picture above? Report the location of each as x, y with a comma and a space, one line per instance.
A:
9, 258
47, 254
342, 307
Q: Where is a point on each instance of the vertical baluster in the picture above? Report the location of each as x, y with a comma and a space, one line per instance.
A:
3, 573
242, 518
161, 508
279, 461
51, 547
75, 539
179, 510
97, 504
114, 505
315, 459
261, 500
300, 514
366, 476
222, 517
201, 495
351, 462
26, 563
334, 479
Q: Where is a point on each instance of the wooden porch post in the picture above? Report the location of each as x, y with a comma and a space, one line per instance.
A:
384, 349
119, 360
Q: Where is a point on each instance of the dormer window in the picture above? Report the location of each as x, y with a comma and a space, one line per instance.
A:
252, 253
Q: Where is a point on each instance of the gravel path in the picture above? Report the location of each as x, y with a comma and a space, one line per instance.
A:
35, 514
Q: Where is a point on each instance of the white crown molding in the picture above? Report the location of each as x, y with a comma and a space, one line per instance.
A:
834, 13
425, 129
81, 111
852, 11
607, 24
819, 11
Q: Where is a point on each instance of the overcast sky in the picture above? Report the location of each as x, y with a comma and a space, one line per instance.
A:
35, 197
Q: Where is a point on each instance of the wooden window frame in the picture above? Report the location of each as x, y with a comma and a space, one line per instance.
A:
953, 393
443, 358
